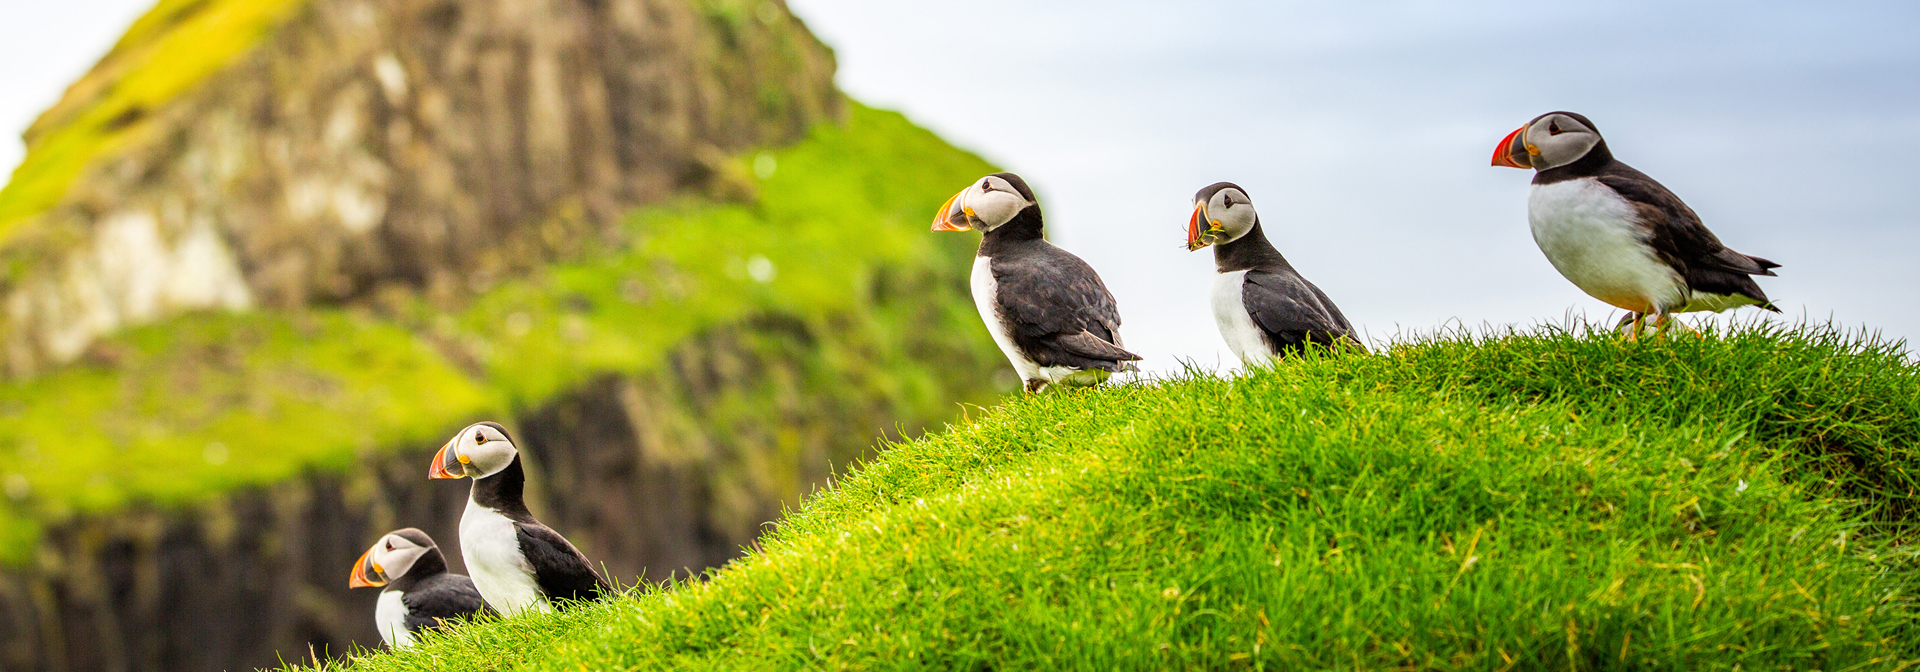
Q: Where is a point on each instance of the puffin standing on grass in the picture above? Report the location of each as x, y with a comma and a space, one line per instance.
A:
1046, 308
1265, 309
1619, 235
517, 563
418, 592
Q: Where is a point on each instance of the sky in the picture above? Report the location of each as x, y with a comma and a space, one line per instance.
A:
1363, 132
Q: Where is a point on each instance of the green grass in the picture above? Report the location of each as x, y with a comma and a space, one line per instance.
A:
171, 48
185, 410
1520, 501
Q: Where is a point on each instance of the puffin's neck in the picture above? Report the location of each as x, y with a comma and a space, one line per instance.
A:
1596, 161
1249, 252
1025, 227
502, 491
430, 564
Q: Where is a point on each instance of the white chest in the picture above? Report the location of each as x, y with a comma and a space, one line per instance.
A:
491, 548
1236, 326
390, 618
1589, 234
986, 297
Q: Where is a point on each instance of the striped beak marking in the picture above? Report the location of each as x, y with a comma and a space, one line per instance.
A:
954, 215
448, 463
367, 573
1513, 151
1201, 229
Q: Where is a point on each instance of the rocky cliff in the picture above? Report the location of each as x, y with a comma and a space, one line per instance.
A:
362, 144
269, 253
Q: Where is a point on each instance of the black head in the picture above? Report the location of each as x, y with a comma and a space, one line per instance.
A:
1550, 141
1206, 193
481, 450
394, 556
415, 535
1222, 213
987, 204
1019, 185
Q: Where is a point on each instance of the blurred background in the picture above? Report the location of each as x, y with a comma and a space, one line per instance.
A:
1358, 130
263, 255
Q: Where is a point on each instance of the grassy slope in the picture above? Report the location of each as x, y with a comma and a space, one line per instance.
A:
1516, 502
178, 413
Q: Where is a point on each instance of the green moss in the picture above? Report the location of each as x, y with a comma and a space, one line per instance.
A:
202, 404
176, 45
1525, 501
838, 210
840, 224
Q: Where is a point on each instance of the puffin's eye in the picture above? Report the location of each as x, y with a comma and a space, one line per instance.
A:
479, 438
1229, 200
389, 545
1553, 128
986, 185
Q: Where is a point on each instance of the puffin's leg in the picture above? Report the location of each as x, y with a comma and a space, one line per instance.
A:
1683, 325
1635, 322
1630, 324
1035, 385
1668, 321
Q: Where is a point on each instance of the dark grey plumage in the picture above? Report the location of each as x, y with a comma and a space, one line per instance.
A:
1671, 229
560, 569
1290, 311
436, 598
1052, 305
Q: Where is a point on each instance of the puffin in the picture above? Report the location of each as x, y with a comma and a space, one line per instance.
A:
1265, 309
1047, 310
1620, 236
417, 592
517, 563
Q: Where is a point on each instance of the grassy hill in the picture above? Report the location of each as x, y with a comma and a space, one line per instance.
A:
1523, 501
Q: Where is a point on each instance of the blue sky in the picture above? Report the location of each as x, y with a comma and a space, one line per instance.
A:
1362, 131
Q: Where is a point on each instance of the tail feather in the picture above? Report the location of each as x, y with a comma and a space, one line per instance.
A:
1085, 344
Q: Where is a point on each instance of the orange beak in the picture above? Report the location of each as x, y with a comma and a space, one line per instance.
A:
943, 220
360, 577
1513, 152
1198, 227
439, 467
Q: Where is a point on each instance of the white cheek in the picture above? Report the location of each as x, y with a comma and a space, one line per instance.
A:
488, 458
995, 208
1237, 221
398, 561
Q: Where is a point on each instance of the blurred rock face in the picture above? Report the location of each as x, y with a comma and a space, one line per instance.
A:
428, 145
647, 473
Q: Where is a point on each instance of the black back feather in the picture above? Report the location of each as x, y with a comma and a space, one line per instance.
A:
1291, 311
1669, 226
1057, 310
562, 571
440, 597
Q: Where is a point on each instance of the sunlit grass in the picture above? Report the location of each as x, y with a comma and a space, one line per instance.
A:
1518, 501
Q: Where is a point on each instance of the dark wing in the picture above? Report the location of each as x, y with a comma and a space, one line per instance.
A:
446, 596
561, 570
1292, 311
1059, 312
1678, 235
